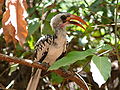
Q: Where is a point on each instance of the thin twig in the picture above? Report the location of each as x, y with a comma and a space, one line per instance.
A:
103, 53
101, 16
86, 3
26, 62
82, 79
85, 65
4, 71
116, 45
106, 25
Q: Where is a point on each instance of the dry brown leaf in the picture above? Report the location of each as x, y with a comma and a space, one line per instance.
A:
1, 4
14, 24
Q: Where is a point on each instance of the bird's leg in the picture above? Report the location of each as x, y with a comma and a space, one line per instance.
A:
37, 62
49, 62
45, 64
63, 70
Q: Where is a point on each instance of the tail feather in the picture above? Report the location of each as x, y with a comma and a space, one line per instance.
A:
34, 80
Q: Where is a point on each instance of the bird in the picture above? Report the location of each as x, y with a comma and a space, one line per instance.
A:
50, 47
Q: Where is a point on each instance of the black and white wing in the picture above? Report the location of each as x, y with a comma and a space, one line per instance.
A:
42, 47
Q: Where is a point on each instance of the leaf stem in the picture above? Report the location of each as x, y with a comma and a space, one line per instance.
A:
86, 3
116, 45
103, 53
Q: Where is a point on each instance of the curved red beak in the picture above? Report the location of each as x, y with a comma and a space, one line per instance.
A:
74, 17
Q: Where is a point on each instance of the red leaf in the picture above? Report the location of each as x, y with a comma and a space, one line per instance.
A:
14, 24
1, 4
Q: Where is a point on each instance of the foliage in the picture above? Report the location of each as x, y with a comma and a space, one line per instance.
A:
95, 51
100, 67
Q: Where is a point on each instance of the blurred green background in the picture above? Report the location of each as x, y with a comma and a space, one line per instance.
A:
100, 16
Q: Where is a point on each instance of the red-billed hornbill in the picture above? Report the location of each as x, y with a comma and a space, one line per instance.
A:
50, 48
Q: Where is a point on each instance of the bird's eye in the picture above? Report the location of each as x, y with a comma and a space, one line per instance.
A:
63, 17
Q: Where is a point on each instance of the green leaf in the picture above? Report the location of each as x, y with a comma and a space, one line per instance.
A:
31, 10
96, 6
50, 15
56, 79
31, 42
101, 69
71, 58
13, 68
105, 47
33, 25
96, 33
47, 28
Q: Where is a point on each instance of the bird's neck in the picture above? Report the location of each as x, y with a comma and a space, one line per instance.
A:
60, 32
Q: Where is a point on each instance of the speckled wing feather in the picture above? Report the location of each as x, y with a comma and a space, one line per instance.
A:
41, 47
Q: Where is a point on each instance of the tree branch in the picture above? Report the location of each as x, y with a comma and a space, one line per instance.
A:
66, 74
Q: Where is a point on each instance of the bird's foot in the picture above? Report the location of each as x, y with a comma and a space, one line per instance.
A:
37, 62
63, 70
66, 72
45, 64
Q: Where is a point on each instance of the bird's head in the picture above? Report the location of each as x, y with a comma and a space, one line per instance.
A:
63, 19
